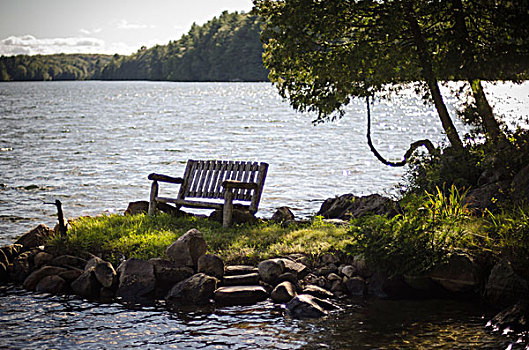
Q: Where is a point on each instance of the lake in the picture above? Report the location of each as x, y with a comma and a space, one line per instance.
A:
92, 145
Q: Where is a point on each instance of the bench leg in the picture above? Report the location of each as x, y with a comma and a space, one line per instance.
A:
152, 199
227, 209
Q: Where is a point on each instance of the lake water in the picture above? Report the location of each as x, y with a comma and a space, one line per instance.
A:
92, 145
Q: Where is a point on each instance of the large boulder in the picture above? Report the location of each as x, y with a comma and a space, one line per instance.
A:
137, 281
305, 306
86, 285
486, 196
198, 289
459, 275
168, 273
514, 318
240, 295
239, 270
42, 259
317, 292
283, 214
11, 251
283, 292
504, 286
270, 270
35, 237
211, 265
187, 249
51, 284
69, 261
298, 269
349, 206
103, 270
21, 267
30, 283
356, 286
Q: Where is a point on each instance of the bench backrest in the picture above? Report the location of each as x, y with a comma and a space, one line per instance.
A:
204, 178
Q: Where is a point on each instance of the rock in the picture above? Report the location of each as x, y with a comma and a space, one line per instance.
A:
520, 185
142, 207
211, 265
318, 292
137, 281
348, 271
289, 277
197, 290
349, 206
419, 283
239, 270
485, 197
36, 237
106, 294
187, 249
168, 274
328, 258
504, 286
360, 265
459, 275
249, 279
326, 270
69, 261
11, 251
21, 267
86, 285
240, 295
42, 258
356, 286
305, 306
239, 216
515, 318
298, 269
283, 214
300, 258
103, 270
71, 275
30, 283
283, 292
51, 284
270, 270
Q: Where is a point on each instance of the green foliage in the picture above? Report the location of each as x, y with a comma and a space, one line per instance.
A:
433, 226
226, 48
116, 237
52, 67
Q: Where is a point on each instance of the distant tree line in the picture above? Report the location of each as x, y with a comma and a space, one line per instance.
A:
226, 48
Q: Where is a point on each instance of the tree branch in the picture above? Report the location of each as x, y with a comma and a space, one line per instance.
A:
426, 143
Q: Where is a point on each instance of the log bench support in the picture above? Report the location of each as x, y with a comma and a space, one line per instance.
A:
221, 183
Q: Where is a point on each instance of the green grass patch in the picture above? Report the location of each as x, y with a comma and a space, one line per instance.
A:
117, 237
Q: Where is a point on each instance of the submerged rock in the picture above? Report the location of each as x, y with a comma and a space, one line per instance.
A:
240, 295
51, 284
137, 281
504, 286
30, 283
305, 306
198, 289
86, 285
283, 292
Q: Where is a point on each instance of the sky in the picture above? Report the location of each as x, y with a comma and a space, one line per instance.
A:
101, 26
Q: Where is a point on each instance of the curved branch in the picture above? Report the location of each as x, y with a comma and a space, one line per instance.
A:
426, 143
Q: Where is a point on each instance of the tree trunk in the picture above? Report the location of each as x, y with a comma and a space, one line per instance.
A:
468, 62
431, 81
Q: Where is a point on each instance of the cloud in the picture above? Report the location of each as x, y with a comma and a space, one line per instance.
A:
124, 24
30, 45
89, 32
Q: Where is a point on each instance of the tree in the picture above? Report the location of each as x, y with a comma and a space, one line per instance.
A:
323, 53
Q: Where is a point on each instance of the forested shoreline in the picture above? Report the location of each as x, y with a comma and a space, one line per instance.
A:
226, 48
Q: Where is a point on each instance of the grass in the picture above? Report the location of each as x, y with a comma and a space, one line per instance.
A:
116, 237
432, 227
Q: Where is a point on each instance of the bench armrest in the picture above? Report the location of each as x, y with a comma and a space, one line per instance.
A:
228, 184
165, 178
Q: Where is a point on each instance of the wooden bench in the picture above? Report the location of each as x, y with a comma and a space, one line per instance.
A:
223, 182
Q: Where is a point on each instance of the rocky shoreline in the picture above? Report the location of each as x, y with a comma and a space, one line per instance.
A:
306, 285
